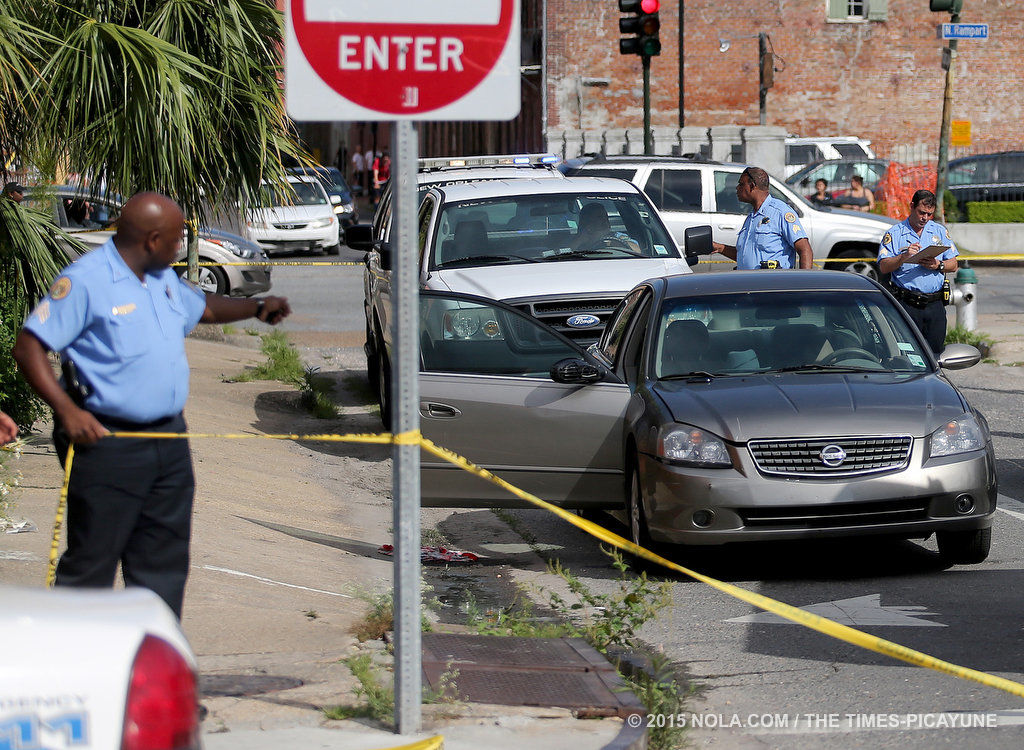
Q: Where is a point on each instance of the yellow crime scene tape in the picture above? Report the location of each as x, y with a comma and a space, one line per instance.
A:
794, 614
183, 264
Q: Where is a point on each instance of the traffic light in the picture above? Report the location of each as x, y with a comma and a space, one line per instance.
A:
944, 6
640, 17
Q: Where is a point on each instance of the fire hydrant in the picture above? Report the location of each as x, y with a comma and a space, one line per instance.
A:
965, 297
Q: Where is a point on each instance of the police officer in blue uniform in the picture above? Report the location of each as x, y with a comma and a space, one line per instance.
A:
918, 284
119, 317
771, 236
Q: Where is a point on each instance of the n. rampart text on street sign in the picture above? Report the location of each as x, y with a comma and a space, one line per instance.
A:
402, 59
965, 31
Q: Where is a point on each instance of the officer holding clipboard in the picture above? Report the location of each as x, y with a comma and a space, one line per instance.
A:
918, 253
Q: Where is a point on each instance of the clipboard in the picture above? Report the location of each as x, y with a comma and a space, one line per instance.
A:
928, 252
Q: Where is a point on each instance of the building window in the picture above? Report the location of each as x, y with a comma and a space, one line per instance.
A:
843, 11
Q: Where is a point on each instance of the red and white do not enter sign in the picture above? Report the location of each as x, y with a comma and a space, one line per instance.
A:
402, 59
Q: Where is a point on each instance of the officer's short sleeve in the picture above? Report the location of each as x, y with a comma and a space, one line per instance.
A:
887, 248
792, 229
63, 313
947, 240
194, 301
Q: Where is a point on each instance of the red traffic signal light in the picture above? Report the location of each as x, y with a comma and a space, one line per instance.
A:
641, 19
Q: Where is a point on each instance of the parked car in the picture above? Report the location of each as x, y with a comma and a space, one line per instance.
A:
692, 192
338, 192
803, 151
527, 242
93, 218
300, 219
837, 173
987, 177
95, 669
716, 408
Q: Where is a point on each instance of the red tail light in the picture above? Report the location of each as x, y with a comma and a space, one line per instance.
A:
162, 708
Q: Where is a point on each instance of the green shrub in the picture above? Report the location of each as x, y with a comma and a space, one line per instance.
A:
951, 207
995, 212
16, 397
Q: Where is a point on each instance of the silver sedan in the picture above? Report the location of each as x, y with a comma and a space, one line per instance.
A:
716, 408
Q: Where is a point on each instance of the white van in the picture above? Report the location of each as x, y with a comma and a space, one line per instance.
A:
803, 151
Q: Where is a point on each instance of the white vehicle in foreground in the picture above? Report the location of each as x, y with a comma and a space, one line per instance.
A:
96, 669
300, 220
565, 251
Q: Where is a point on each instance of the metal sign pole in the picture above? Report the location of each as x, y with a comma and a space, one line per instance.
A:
406, 418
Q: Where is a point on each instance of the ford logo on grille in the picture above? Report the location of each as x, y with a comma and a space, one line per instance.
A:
832, 455
583, 321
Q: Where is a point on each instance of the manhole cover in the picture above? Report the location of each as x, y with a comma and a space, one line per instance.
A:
239, 685
564, 672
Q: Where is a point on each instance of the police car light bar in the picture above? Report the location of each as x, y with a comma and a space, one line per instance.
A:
520, 160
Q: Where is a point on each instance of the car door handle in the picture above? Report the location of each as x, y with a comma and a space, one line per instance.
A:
435, 410
727, 226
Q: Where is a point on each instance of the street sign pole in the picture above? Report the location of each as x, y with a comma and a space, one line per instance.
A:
406, 419
947, 116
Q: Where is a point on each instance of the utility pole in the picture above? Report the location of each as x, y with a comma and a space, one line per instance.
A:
766, 76
954, 7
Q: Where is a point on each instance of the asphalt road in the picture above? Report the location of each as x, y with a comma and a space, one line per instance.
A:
762, 682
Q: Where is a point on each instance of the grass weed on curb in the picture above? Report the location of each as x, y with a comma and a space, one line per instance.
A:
283, 362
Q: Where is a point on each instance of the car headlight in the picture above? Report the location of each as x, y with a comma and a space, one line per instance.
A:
344, 208
235, 248
960, 435
324, 222
466, 324
682, 443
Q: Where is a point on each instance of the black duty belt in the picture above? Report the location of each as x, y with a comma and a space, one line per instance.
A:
916, 299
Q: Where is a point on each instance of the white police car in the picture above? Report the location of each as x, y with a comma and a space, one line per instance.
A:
94, 669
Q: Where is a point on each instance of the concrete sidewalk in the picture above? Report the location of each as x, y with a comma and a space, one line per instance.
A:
284, 556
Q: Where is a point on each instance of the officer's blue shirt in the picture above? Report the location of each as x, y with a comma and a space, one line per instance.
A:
769, 233
910, 275
126, 337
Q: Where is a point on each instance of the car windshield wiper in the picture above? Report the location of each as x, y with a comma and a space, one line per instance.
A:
475, 259
594, 251
695, 375
818, 367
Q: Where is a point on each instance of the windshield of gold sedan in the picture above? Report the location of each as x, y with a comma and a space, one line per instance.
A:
549, 228
807, 331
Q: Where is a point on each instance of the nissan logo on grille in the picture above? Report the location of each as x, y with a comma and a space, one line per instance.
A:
583, 321
832, 455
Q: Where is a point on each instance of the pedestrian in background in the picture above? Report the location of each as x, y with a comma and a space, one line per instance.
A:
381, 174
14, 191
771, 236
368, 158
918, 284
119, 317
8, 430
358, 169
859, 198
821, 195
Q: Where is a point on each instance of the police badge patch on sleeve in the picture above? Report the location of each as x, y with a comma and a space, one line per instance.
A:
61, 288
887, 239
790, 217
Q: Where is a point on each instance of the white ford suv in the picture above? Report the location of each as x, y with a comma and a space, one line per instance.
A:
564, 250
691, 192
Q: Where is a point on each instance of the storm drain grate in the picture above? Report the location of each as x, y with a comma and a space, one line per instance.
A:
563, 672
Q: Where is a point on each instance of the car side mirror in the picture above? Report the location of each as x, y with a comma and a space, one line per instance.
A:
697, 242
959, 357
359, 237
575, 371
384, 251
805, 182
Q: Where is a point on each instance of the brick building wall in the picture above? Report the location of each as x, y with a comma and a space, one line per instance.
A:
876, 79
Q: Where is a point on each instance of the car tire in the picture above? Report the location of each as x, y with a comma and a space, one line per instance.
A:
964, 547
636, 519
334, 249
384, 389
372, 362
211, 279
864, 268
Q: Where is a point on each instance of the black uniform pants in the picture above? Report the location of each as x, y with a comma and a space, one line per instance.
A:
130, 501
931, 321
